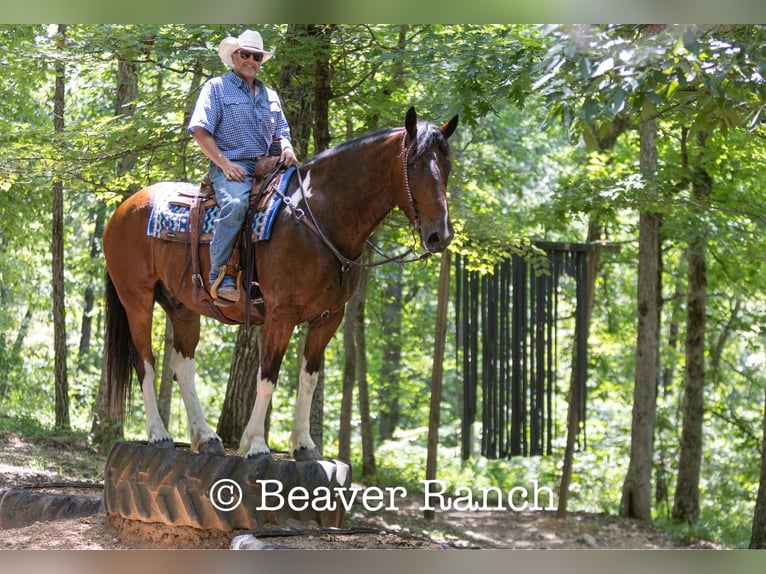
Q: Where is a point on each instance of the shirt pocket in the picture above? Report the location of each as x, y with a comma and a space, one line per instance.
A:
235, 103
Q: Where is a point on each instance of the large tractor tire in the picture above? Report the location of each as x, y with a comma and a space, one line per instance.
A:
178, 487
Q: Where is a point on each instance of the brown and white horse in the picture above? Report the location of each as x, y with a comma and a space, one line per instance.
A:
349, 190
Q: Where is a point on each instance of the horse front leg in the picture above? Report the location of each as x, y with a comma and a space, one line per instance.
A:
203, 437
319, 334
276, 336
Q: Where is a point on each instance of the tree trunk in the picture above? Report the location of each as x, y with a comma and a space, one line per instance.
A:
686, 506
391, 326
316, 417
636, 490
86, 326
437, 371
686, 502
758, 534
349, 380
355, 374
242, 386
104, 429
322, 89
59, 304
357, 308
321, 118
297, 97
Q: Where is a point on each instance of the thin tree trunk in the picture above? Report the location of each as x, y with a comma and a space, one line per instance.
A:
321, 121
437, 371
391, 325
297, 97
686, 506
59, 304
368, 446
686, 502
86, 326
322, 88
242, 386
636, 499
316, 417
105, 429
349, 382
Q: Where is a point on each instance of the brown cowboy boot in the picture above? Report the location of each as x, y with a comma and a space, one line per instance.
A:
225, 289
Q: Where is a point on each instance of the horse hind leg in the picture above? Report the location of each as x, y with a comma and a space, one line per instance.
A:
140, 322
157, 434
186, 331
319, 334
302, 445
276, 336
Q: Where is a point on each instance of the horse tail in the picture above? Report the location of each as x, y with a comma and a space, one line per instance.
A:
119, 354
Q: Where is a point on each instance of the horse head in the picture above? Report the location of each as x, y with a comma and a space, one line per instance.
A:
426, 162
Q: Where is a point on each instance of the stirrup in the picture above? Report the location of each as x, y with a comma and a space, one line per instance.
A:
217, 283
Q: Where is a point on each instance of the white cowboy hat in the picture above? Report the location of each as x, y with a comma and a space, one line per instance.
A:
248, 40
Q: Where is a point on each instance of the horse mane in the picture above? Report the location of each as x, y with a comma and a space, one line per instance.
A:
428, 135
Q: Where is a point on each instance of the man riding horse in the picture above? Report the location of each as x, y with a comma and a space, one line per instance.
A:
236, 120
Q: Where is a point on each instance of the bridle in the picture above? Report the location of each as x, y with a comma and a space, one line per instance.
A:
405, 164
309, 220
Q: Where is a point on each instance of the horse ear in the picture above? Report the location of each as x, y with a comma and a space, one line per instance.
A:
411, 122
448, 128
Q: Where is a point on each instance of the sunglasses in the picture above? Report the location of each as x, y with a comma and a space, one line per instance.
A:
257, 56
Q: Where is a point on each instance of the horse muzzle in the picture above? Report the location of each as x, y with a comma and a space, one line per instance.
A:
436, 237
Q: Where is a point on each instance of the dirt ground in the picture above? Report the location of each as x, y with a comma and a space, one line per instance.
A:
52, 460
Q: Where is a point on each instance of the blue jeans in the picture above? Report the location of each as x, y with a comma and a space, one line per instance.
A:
232, 197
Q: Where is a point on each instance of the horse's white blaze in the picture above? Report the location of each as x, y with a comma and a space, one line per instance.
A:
184, 369
155, 429
445, 224
253, 440
300, 437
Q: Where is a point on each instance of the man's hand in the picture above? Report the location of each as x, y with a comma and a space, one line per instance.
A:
288, 157
234, 172
206, 142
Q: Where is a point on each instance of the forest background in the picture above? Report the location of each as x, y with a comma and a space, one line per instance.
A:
649, 138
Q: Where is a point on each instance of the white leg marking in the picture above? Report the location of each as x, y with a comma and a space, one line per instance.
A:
155, 429
253, 440
199, 429
300, 437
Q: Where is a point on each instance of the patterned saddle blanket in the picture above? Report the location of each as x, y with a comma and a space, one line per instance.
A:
169, 218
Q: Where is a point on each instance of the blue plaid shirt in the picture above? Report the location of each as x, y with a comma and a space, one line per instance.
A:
242, 125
